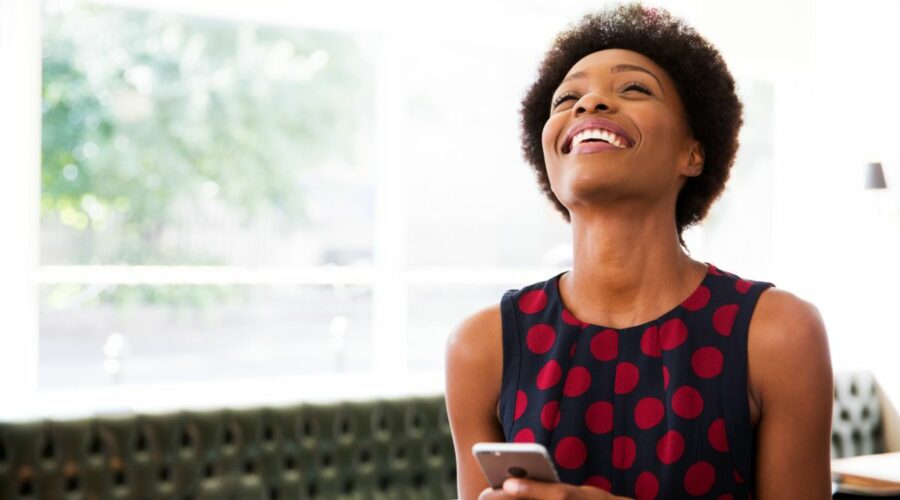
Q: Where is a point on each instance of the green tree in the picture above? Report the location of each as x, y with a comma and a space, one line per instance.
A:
150, 117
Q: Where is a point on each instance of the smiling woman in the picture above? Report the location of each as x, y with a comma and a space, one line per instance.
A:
645, 373
697, 77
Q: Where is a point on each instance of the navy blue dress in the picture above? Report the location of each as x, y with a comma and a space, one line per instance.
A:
656, 410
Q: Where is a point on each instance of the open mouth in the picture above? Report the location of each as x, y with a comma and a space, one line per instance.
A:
596, 129
593, 136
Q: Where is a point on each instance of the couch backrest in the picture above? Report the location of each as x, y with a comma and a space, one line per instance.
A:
380, 449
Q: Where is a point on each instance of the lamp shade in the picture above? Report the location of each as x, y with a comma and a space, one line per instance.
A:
875, 176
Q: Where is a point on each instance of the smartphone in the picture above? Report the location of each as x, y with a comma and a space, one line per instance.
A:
499, 461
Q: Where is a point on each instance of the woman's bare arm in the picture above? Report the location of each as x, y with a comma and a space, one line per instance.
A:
790, 367
474, 368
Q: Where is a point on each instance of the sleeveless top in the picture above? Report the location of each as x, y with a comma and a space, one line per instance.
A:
656, 410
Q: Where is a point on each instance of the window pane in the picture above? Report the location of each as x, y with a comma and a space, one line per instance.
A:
97, 335
435, 310
473, 200
170, 139
738, 227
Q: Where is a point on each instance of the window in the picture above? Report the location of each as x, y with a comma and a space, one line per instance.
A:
189, 144
244, 203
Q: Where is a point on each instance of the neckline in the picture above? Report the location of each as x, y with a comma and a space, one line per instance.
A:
584, 324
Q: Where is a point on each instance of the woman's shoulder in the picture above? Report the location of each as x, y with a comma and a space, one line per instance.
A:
783, 320
474, 365
780, 317
476, 333
787, 346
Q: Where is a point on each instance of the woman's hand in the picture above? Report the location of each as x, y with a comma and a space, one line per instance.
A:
540, 490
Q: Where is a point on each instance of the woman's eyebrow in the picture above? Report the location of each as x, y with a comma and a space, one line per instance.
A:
615, 69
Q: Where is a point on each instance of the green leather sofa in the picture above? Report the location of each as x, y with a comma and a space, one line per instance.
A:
390, 449
857, 422
382, 449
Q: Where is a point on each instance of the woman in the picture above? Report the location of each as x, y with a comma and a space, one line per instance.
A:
640, 369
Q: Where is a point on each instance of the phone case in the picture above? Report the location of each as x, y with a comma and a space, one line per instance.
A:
499, 461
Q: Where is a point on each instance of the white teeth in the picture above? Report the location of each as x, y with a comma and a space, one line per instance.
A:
596, 133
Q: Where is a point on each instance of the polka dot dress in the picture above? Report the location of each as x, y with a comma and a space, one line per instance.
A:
657, 410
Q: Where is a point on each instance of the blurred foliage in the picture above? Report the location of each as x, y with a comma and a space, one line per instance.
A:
149, 117
172, 297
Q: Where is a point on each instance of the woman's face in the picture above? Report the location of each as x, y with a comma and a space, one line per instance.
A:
653, 152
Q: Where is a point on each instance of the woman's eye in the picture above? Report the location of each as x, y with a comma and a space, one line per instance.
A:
635, 85
559, 100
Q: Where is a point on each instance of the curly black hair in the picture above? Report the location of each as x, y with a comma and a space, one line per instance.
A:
707, 89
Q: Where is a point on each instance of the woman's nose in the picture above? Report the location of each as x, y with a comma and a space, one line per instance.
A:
591, 101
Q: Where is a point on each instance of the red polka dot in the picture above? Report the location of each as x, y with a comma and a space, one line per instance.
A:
549, 375
627, 377
650, 342
742, 285
599, 417
699, 478
714, 270
521, 404
665, 378
569, 319
707, 362
540, 338
670, 447
687, 402
572, 350
646, 487
717, 435
648, 412
698, 299
577, 381
570, 453
524, 436
725, 496
550, 415
599, 482
533, 301
605, 345
723, 318
624, 452
737, 476
672, 334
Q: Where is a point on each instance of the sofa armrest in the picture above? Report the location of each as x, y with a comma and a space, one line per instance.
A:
857, 416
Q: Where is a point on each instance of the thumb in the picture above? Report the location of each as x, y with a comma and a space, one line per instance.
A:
528, 488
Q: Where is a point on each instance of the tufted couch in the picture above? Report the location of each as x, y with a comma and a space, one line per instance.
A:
390, 449
857, 423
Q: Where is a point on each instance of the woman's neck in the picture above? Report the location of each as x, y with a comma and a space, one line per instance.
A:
627, 270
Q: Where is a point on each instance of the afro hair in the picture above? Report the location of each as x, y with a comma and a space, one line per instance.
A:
702, 79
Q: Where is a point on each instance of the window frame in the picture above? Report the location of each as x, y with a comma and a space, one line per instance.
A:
389, 276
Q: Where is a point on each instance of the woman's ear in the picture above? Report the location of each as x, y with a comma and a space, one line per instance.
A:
696, 159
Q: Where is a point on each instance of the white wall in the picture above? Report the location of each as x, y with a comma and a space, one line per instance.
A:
20, 96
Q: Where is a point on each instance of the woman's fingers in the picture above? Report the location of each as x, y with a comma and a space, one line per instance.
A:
492, 494
539, 490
